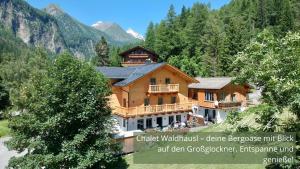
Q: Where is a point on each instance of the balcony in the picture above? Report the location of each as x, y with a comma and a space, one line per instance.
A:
164, 88
153, 109
221, 104
229, 104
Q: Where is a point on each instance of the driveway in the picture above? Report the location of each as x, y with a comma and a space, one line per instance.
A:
5, 154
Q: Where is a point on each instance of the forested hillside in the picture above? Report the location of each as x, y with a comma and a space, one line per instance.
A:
18, 63
81, 39
202, 41
34, 27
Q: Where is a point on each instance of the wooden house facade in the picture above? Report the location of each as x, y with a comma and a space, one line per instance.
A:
218, 96
146, 94
138, 56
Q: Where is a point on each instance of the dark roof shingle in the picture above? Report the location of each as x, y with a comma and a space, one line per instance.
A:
116, 72
128, 74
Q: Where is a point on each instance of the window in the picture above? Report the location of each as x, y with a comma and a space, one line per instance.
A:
160, 101
171, 119
149, 123
124, 122
206, 113
140, 124
223, 96
152, 81
146, 102
209, 96
214, 114
167, 80
233, 97
124, 103
178, 118
173, 100
195, 95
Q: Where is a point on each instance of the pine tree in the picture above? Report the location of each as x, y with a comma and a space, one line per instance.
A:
286, 18
171, 17
162, 41
183, 17
4, 96
167, 39
295, 5
213, 45
102, 51
115, 59
150, 37
217, 40
235, 41
261, 14
172, 33
195, 27
282, 18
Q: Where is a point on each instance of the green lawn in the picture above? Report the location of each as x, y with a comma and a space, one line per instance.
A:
4, 130
247, 118
212, 128
129, 160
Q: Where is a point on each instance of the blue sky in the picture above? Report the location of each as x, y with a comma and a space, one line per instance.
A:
135, 14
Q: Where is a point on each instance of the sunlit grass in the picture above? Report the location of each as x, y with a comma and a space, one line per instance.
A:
4, 130
129, 159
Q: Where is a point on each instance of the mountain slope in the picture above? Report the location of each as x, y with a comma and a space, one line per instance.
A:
10, 45
53, 29
79, 38
114, 31
32, 26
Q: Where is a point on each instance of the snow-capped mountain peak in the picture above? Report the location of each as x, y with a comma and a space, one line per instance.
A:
135, 34
97, 23
102, 25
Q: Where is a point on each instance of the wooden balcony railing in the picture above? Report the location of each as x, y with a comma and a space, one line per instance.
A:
163, 88
229, 104
153, 109
221, 104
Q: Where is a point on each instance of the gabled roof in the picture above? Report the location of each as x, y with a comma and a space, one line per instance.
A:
139, 72
116, 72
136, 48
211, 82
128, 75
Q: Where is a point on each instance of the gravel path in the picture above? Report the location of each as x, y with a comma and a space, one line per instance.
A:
5, 154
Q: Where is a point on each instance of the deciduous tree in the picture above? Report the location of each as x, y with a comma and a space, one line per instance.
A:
67, 120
